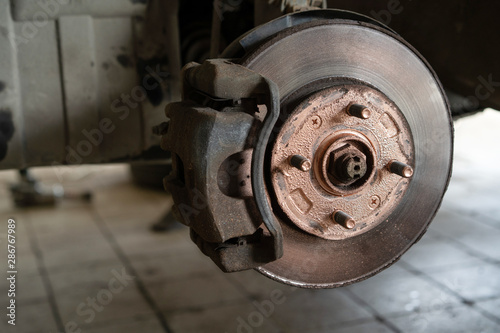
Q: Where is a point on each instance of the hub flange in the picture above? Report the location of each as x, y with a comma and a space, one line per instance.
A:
349, 156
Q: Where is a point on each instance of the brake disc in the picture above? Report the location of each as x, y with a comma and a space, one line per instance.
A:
355, 168
339, 229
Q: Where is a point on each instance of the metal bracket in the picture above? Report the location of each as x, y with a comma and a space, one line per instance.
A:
240, 244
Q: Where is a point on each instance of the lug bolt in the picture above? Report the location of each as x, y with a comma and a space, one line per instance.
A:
358, 110
343, 219
300, 162
400, 168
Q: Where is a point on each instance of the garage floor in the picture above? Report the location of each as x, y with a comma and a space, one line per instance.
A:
98, 268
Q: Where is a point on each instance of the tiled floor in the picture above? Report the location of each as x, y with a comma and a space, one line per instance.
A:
97, 267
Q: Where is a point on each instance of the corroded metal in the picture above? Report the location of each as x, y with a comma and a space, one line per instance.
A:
300, 162
400, 169
217, 180
343, 219
337, 159
301, 63
358, 110
346, 216
348, 155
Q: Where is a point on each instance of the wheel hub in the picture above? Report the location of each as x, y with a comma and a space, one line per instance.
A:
355, 169
407, 125
351, 133
344, 162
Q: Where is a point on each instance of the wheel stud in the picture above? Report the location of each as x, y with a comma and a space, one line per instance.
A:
400, 168
343, 219
358, 110
300, 162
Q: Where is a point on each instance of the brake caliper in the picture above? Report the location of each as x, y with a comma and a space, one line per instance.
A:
217, 136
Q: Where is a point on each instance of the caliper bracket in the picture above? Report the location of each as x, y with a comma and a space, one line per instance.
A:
212, 147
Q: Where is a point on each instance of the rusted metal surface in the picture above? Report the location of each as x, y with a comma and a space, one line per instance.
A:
400, 169
449, 34
355, 169
345, 161
213, 137
252, 39
217, 179
314, 56
349, 155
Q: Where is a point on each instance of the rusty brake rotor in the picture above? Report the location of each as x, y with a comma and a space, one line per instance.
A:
361, 155
318, 155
